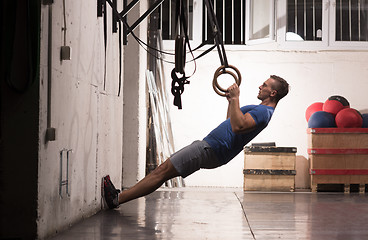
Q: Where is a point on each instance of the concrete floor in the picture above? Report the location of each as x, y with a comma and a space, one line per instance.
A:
197, 213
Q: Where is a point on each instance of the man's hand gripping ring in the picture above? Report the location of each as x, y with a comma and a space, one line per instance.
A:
221, 70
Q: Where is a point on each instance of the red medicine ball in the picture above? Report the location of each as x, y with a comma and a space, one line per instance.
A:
349, 118
332, 106
314, 107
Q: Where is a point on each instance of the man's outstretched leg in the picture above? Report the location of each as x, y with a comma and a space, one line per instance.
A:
147, 185
150, 183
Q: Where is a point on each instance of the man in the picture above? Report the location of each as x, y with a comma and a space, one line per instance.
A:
217, 148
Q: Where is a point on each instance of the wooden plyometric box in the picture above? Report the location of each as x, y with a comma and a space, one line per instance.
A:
269, 168
338, 156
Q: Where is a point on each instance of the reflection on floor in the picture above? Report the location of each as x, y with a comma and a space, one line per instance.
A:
191, 213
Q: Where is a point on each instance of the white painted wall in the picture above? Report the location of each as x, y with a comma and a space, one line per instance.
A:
135, 110
313, 76
88, 117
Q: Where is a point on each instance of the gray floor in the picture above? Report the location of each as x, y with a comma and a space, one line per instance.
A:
191, 213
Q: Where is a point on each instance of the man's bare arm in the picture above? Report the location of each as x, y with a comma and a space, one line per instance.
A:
240, 123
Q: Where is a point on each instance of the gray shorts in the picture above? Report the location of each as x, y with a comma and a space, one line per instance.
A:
193, 157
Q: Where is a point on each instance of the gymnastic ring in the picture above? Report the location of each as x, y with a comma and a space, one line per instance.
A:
180, 54
219, 90
221, 70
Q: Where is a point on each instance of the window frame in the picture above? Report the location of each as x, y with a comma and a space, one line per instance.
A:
279, 17
328, 42
298, 45
249, 20
351, 45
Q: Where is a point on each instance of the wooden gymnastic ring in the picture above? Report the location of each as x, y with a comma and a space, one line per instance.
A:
221, 70
220, 91
180, 54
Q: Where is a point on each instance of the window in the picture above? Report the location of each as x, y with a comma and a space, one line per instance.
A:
329, 22
350, 20
230, 17
301, 24
260, 21
229, 14
168, 19
304, 20
233, 16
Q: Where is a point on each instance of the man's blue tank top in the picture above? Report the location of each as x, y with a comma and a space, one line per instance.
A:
226, 144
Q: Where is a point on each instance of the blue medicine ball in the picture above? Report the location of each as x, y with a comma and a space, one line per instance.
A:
365, 120
321, 119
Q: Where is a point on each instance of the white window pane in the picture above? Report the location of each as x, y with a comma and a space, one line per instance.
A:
260, 19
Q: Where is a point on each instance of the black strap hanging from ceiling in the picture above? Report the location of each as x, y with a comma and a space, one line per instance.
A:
105, 39
217, 33
116, 25
182, 39
222, 54
120, 60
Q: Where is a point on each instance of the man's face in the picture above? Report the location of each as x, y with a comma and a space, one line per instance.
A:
265, 90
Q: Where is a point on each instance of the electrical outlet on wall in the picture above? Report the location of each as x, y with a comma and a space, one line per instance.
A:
65, 53
50, 134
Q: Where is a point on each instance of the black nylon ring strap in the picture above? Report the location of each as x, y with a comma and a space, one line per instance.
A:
217, 31
180, 54
177, 87
105, 40
221, 51
182, 39
120, 58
